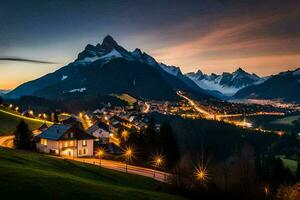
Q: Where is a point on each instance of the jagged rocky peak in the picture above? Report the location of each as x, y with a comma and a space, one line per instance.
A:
239, 70
109, 42
137, 52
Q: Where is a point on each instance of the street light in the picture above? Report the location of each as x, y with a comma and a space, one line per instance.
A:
158, 161
100, 153
201, 173
128, 155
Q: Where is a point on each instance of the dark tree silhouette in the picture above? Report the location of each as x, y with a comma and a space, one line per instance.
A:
54, 117
298, 170
1, 100
23, 136
169, 145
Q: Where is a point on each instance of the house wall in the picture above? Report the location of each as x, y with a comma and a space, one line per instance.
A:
102, 134
76, 150
51, 145
89, 148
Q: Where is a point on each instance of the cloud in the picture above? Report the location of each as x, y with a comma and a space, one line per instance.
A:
232, 40
16, 59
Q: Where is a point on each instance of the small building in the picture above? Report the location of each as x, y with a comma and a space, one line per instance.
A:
65, 140
100, 130
40, 129
28, 113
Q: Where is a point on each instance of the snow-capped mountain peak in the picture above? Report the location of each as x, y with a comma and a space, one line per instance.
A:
171, 69
226, 83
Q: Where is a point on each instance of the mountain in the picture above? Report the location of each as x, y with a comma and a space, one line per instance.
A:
108, 68
284, 86
226, 83
3, 92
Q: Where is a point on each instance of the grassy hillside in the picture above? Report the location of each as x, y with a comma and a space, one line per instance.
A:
10, 119
33, 176
125, 97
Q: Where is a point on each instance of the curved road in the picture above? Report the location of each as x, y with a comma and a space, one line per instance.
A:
7, 141
120, 166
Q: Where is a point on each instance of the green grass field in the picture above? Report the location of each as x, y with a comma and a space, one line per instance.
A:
9, 120
291, 164
26, 175
125, 97
286, 120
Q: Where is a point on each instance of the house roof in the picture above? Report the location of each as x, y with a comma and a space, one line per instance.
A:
54, 132
57, 131
80, 134
96, 126
92, 129
70, 120
103, 126
43, 127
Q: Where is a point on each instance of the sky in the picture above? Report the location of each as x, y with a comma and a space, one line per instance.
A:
214, 36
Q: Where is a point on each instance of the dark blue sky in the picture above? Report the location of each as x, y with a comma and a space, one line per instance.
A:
211, 35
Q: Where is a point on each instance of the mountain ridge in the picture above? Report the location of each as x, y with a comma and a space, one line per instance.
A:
87, 75
282, 86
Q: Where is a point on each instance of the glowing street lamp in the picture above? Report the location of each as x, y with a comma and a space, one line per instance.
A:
100, 153
124, 134
201, 173
158, 161
10, 106
267, 190
128, 155
17, 108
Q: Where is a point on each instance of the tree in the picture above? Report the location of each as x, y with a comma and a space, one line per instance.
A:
23, 136
298, 170
1, 100
169, 145
54, 117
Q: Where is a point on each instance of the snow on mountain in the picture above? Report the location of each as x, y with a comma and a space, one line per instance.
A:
3, 92
171, 69
282, 86
77, 90
64, 77
296, 72
226, 83
96, 69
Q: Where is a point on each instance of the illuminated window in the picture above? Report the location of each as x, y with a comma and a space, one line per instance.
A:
44, 142
84, 143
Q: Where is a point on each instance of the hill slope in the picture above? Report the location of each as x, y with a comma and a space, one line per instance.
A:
283, 86
33, 176
9, 121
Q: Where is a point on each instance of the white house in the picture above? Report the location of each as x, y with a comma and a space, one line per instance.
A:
65, 140
100, 130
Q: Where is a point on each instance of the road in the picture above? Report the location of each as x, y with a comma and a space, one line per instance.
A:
196, 106
225, 118
146, 108
120, 166
7, 141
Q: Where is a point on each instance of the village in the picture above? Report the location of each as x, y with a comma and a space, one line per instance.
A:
82, 134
